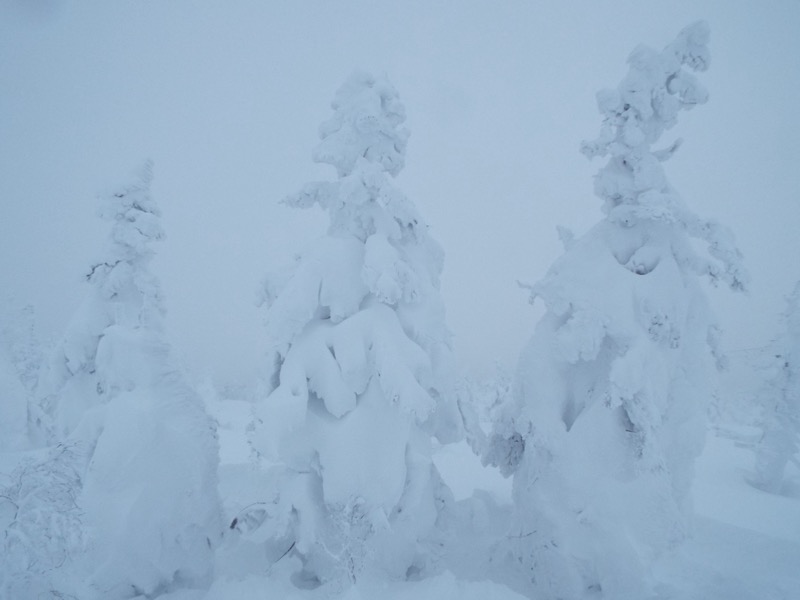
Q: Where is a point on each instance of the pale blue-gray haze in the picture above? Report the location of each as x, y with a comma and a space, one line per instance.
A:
226, 98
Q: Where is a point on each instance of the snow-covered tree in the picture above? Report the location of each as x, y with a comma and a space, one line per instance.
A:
148, 482
362, 359
611, 391
781, 403
41, 526
123, 293
20, 364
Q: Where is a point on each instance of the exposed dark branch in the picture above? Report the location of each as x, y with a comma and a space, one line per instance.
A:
90, 274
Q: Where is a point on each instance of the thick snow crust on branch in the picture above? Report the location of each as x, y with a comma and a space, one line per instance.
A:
362, 354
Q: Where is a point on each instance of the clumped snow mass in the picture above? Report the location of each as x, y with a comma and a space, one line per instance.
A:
620, 461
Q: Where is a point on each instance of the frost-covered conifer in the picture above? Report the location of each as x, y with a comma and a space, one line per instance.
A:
148, 492
611, 390
362, 359
781, 403
123, 293
20, 361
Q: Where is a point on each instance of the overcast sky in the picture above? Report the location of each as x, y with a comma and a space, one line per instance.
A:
226, 98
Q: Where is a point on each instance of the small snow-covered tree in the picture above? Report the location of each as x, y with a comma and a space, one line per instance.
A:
362, 359
148, 493
781, 403
611, 391
41, 526
20, 363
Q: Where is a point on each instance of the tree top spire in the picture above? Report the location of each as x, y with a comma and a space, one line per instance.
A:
641, 108
367, 123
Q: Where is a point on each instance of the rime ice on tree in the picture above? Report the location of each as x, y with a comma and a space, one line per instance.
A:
20, 360
124, 294
362, 358
116, 396
781, 403
611, 389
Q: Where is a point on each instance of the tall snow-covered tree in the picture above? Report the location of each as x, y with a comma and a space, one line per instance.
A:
146, 452
611, 390
781, 403
362, 359
123, 293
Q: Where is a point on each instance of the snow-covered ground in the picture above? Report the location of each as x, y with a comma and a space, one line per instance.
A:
341, 477
746, 543
745, 546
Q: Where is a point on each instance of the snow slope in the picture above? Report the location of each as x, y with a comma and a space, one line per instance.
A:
746, 543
